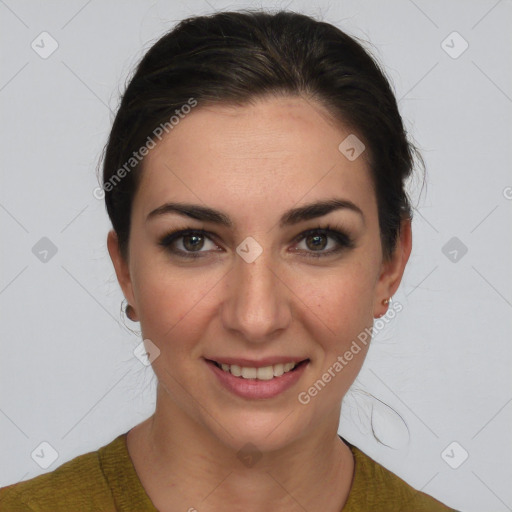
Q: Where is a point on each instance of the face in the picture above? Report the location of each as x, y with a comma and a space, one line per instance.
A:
256, 278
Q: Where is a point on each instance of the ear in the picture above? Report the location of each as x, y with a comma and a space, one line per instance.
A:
392, 269
121, 267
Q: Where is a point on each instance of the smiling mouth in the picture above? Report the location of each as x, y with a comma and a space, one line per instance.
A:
262, 373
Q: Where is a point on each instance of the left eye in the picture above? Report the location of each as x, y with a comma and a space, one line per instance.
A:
316, 241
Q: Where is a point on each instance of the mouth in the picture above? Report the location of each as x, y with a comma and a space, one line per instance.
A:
268, 372
257, 381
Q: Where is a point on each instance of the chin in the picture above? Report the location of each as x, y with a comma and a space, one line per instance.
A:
261, 431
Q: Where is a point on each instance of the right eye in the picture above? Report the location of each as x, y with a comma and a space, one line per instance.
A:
192, 241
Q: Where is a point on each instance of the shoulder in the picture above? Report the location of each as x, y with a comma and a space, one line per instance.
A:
78, 484
376, 488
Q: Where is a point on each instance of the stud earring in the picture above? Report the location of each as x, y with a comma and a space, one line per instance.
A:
130, 312
384, 302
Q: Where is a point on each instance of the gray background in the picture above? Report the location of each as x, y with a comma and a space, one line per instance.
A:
68, 373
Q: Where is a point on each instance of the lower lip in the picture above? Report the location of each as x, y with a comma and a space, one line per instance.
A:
254, 388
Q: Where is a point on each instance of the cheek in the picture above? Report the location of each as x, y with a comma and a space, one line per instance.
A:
344, 304
171, 302
343, 300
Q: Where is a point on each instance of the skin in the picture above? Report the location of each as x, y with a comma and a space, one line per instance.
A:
252, 163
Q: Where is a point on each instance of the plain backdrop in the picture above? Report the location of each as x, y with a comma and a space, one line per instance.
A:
68, 374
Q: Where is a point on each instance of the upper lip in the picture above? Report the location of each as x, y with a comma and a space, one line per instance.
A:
251, 363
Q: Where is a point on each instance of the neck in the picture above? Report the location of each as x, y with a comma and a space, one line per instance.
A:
182, 465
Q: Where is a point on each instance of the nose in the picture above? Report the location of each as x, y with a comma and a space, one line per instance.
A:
257, 302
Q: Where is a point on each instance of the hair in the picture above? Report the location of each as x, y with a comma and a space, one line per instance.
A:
238, 57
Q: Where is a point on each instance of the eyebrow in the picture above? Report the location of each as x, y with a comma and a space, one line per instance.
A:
289, 218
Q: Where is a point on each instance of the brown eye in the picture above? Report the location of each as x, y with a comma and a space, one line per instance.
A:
316, 240
191, 242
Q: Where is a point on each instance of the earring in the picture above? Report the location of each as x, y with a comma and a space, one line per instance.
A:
384, 302
129, 312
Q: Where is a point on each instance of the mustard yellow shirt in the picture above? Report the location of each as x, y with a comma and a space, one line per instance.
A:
106, 481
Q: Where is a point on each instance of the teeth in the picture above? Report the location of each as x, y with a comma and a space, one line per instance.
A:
263, 373
278, 370
249, 373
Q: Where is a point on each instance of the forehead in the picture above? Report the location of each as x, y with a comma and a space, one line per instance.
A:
272, 152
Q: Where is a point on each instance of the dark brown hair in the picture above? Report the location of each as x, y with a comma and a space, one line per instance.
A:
236, 57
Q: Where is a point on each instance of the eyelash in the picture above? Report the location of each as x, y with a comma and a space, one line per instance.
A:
344, 241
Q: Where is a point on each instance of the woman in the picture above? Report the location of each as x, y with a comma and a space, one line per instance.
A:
254, 177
